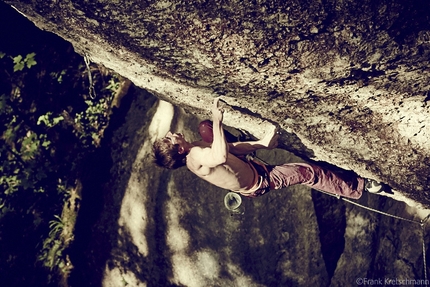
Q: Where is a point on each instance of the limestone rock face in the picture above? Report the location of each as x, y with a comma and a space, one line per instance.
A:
169, 228
347, 81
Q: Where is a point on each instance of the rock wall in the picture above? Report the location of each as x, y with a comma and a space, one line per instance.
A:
348, 79
144, 226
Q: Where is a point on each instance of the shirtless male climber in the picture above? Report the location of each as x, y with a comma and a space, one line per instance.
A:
226, 165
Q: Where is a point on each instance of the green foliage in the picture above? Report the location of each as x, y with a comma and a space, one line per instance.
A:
33, 133
46, 133
48, 120
51, 254
58, 76
91, 118
95, 115
48, 125
20, 63
114, 84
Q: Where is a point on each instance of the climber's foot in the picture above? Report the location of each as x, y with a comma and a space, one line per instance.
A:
376, 187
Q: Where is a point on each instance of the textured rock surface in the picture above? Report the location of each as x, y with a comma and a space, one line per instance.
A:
349, 79
161, 228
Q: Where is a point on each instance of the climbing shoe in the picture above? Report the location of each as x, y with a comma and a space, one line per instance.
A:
373, 186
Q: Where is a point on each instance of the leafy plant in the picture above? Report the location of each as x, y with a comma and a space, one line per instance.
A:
20, 63
32, 133
56, 226
48, 120
96, 115
52, 251
48, 124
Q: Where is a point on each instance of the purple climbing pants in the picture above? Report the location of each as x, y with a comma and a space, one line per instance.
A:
280, 176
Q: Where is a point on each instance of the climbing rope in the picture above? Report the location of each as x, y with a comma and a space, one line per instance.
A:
382, 212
